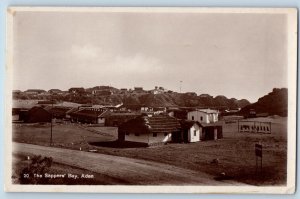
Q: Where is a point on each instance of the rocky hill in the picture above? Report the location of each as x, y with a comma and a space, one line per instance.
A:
184, 100
274, 103
166, 99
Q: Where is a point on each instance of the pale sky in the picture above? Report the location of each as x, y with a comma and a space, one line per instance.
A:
236, 55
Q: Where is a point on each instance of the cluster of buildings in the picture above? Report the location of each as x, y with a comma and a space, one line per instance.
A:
144, 124
199, 125
95, 91
45, 111
89, 92
140, 90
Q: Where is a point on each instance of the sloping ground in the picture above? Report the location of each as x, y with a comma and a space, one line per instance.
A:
64, 135
95, 130
182, 99
158, 100
274, 103
134, 171
20, 162
235, 151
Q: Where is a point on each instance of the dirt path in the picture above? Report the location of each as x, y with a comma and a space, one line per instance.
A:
134, 171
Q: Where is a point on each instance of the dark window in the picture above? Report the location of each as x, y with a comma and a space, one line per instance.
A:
154, 134
192, 117
195, 132
166, 134
127, 133
267, 128
201, 118
137, 134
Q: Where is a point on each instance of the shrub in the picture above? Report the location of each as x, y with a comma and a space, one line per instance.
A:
38, 166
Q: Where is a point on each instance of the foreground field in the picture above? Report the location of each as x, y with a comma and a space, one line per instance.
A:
233, 155
64, 135
119, 170
20, 162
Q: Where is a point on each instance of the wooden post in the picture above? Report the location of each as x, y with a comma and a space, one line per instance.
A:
238, 125
215, 133
261, 159
255, 164
258, 153
51, 141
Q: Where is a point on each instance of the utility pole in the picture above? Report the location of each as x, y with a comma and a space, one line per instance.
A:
180, 86
51, 141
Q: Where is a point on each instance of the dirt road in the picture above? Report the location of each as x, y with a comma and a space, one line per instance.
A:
134, 171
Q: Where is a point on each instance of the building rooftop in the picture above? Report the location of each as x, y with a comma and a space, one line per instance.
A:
69, 104
125, 113
88, 113
35, 90
57, 109
24, 104
145, 124
54, 90
187, 124
207, 110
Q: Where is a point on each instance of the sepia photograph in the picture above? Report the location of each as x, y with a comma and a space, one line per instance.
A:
151, 100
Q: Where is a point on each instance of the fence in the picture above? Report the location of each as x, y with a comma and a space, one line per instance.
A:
254, 126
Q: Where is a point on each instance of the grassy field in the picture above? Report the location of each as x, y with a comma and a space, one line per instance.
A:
64, 135
234, 153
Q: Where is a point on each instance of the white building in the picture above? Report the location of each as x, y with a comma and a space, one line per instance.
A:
150, 139
154, 130
203, 115
89, 116
153, 110
191, 131
158, 90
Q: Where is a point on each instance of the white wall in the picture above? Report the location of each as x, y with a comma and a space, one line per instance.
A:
197, 116
203, 117
160, 138
148, 138
171, 114
15, 117
215, 134
101, 120
215, 117
192, 136
133, 138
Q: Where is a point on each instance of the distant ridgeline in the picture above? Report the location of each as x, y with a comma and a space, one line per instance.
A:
158, 97
185, 100
274, 103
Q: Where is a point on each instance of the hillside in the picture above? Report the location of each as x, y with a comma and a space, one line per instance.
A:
183, 100
167, 99
274, 103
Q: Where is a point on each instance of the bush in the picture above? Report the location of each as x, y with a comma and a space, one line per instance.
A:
38, 166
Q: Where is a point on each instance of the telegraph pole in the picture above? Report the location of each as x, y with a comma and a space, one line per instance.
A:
180, 86
51, 141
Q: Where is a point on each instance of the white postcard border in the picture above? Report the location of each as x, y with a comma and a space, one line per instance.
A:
292, 93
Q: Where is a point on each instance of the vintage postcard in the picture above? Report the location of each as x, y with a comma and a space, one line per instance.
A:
151, 100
